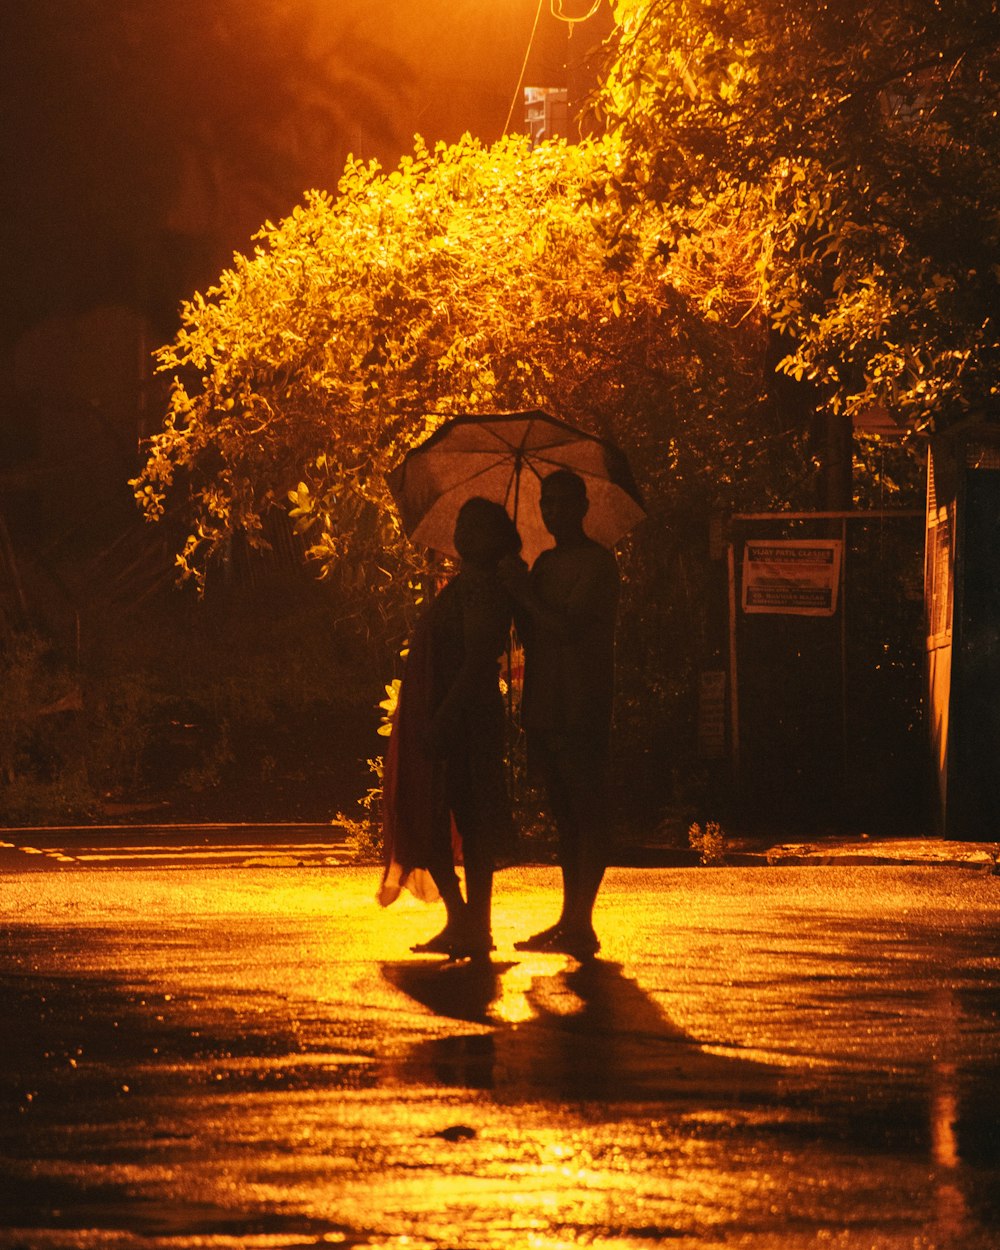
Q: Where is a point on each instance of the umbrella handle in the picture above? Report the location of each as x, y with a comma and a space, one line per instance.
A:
518, 463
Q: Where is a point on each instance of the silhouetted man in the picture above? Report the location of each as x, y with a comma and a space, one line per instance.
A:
568, 604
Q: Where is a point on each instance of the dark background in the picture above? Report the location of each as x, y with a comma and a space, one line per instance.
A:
143, 144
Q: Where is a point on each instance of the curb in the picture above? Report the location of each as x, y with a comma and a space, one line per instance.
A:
910, 853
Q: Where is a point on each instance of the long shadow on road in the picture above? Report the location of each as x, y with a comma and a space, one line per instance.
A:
590, 1034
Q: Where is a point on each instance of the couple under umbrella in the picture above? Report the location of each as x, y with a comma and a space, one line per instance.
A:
491, 490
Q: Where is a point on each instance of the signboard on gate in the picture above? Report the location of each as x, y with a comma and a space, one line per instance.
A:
792, 576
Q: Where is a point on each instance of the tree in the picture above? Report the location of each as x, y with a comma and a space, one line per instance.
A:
471, 278
475, 278
858, 140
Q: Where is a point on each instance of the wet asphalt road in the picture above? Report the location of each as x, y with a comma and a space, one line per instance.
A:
251, 1057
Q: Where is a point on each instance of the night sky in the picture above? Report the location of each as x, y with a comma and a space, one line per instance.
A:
144, 142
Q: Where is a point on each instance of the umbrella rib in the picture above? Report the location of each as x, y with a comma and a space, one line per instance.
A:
555, 463
486, 469
511, 445
521, 444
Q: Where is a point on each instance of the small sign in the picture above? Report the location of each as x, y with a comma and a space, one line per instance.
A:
792, 576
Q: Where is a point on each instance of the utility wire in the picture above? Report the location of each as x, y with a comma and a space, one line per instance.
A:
524, 66
556, 9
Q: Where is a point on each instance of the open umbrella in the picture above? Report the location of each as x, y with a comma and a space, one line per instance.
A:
504, 457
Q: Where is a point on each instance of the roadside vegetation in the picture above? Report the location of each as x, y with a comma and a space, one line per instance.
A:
789, 223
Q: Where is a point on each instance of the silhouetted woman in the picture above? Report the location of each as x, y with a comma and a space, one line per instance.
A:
444, 784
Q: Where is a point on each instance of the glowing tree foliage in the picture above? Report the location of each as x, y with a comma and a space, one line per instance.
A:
859, 140
468, 279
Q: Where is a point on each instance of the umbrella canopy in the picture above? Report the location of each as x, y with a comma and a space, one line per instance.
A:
504, 457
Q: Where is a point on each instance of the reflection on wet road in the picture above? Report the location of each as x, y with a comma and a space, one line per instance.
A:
765, 1058
592, 1035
